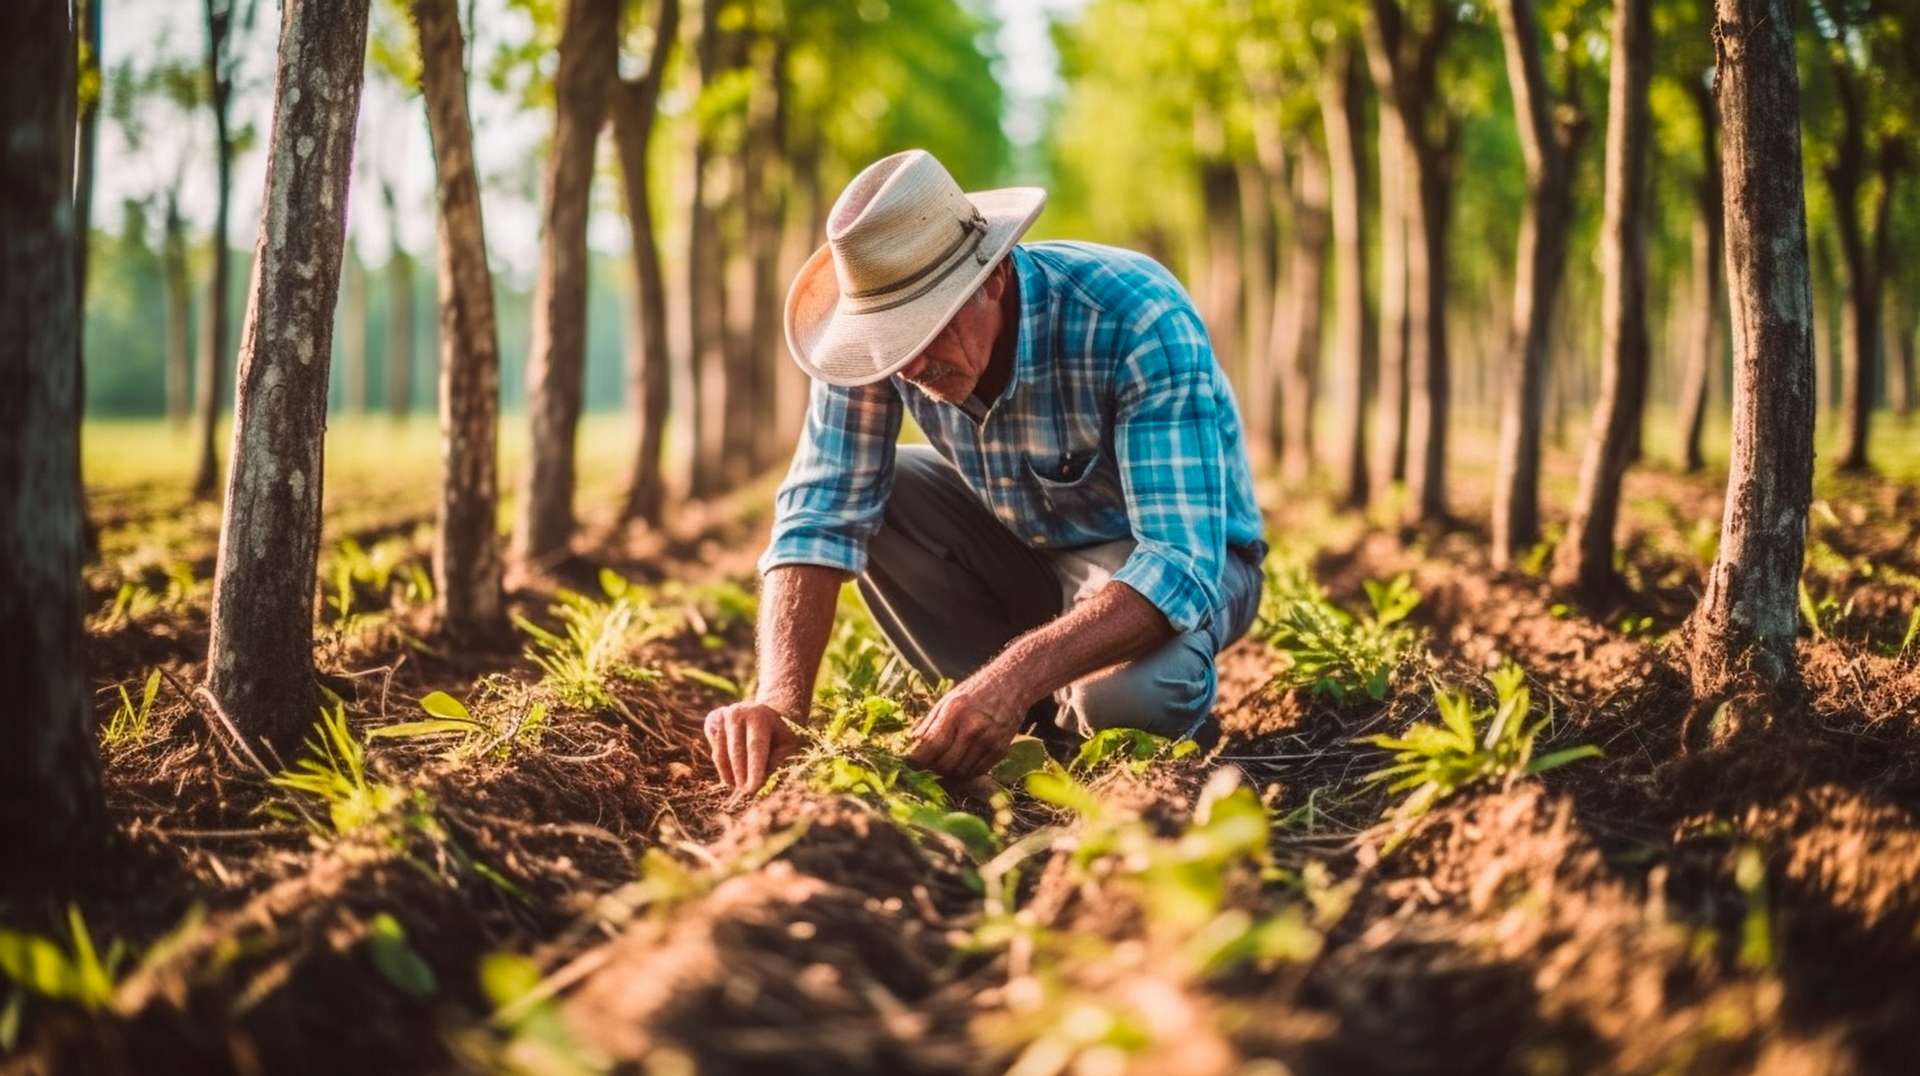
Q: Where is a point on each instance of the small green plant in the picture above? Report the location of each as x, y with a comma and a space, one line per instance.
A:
1912, 634
1134, 748
334, 771
533, 1035
77, 973
135, 600
588, 655
1333, 652
1635, 627
1471, 744
128, 725
1823, 614
500, 734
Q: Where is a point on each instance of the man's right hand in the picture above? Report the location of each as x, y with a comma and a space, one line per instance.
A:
749, 739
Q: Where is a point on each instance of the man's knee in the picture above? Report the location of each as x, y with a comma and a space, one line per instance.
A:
1169, 692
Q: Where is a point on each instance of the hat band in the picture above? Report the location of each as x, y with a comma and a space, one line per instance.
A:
973, 233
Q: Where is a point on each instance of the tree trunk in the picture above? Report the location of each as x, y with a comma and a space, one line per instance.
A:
1341, 111
1388, 459
1298, 316
1225, 282
1900, 372
634, 105
706, 289
1747, 620
1708, 299
558, 359
1405, 61
50, 807
399, 315
213, 339
1864, 253
353, 327
260, 650
179, 286
1259, 242
1545, 223
766, 210
466, 553
1585, 559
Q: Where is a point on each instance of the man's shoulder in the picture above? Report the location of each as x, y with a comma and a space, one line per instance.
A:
1119, 282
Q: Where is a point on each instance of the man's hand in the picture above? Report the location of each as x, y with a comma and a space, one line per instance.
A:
749, 739
970, 728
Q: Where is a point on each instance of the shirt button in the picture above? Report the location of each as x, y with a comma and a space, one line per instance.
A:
1039, 539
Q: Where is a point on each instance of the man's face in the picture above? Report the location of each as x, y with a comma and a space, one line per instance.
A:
954, 361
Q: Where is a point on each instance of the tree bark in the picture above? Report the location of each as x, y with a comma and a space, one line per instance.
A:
466, 553
1388, 457
1405, 62
1298, 317
213, 341
1864, 253
353, 324
1341, 111
634, 105
766, 210
1900, 372
706, 287
260, 651
1708, 298
179, 286
558, 359
50, 806
1259, 243
399, 314
1747, 620
1545, 222
1585, 560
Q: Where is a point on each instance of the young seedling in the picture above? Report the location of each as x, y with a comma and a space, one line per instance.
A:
1470, 745
447, 716
334, 771
589, 654
128, 725
1330, 651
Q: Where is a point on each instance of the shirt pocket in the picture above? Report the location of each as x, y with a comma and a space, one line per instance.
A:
1080, 491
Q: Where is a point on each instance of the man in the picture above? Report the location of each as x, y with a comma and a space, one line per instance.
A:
1081, 527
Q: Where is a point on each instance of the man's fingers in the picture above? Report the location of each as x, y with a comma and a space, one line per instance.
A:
737, 750
717, 740
756, 761
935, 742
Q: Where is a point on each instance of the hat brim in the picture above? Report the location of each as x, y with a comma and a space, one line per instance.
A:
847, 347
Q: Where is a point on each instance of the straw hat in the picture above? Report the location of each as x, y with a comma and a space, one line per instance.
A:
905, 248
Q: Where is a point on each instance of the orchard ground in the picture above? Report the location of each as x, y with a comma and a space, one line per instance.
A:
549, 879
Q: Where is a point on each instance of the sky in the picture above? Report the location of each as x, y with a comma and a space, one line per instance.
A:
393, 147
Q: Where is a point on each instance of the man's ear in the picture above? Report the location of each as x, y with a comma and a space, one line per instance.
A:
996, 283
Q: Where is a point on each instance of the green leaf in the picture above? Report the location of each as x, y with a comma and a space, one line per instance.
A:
1553, 760
407, 730
396, 961
441, 704
1026, 755
713, 680
38, 965
506, 978
969, 829
613, 583
1063, 791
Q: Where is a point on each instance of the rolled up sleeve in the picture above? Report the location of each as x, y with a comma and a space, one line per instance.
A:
835, 492
1167, 437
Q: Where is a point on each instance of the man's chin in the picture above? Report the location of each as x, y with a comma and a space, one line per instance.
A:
951, 390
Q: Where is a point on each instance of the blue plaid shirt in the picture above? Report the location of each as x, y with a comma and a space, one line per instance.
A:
1116, 423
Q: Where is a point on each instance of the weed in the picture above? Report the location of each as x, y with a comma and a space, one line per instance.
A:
79, 974
589, 654
1134, 748
1470, 744
128, 725
1824, 614
135, 600
334, 771
1331, 651
497, 733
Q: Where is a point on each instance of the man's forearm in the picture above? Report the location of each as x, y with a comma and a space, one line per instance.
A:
1116, 624
797, 603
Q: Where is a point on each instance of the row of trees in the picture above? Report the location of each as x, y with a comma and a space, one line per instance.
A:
1447, 162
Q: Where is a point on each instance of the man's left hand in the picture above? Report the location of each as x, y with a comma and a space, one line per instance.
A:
971, 727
